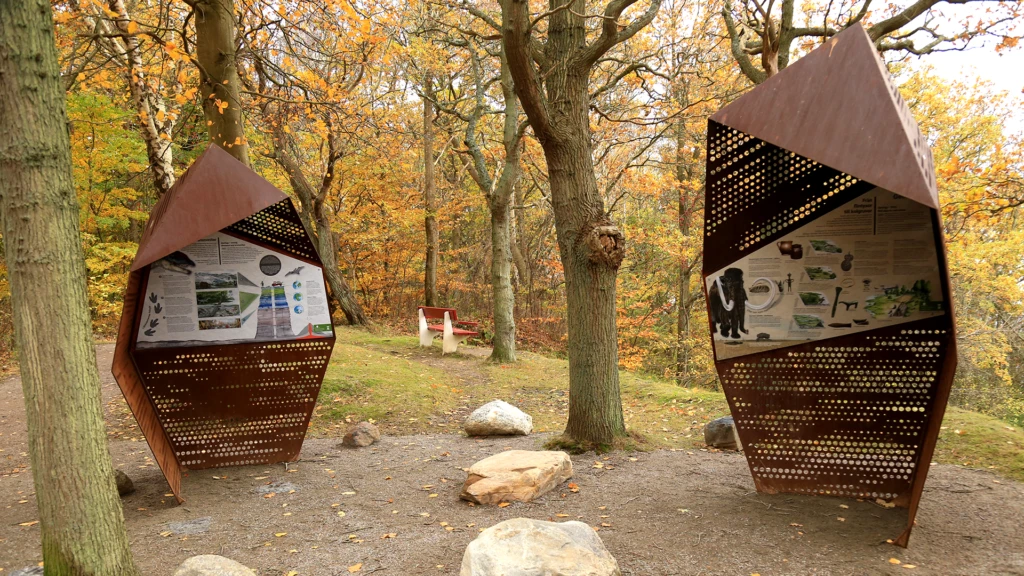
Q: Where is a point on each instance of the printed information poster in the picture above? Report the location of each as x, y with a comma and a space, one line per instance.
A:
223, 290
870, 263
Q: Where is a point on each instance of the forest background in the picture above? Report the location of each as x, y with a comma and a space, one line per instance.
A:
342, 101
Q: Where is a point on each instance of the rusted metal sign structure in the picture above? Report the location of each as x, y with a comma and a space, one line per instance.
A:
826, 280
226, 330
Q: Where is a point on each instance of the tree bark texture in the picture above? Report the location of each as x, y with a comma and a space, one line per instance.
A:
218, 75
499, 194
685, 266
82, 525
313, 211
556, 101
155, 124
429, 196
339, 287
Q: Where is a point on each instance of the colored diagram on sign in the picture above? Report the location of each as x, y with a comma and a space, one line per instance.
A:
868, 264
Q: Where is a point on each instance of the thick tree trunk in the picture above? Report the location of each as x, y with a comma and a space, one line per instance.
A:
80, 514
218, 75
504, 344
429, 196
591, 250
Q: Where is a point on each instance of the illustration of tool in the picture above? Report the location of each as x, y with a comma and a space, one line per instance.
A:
836, 301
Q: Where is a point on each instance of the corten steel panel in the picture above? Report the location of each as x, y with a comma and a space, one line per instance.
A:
855, 416
215, 404
215, 192
837, 106
130, 382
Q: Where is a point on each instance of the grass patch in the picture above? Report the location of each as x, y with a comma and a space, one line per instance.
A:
411, 390
366, 384
978, 441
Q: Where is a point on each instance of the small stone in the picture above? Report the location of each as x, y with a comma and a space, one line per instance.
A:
515, 476
498, 418
361, 435
31, 571
211, 565
721, 434
526, 547
125, 486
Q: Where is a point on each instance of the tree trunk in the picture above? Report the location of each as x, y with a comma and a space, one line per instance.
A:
591, 250
339, 288
79, 511
556, 101
218, 75
685, 268
504, 344
155, 123
429, 195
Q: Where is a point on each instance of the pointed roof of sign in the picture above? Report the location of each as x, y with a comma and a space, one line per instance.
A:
214, 193
837, 106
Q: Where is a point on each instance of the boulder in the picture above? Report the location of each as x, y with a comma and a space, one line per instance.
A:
361, 435
498, 418
211, 565
526, 547
721, 434
515, 476
125, 486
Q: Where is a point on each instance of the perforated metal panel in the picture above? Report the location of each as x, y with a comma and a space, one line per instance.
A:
855, 416
757, 192
235, 405
277, 227
843, 417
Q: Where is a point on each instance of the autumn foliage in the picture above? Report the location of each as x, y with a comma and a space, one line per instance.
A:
335, 85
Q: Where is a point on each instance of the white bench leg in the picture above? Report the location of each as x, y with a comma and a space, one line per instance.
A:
450, 342
426, 336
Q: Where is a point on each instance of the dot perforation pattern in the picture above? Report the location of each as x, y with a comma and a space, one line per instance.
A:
842, 417
234, 405
279, 227
756, 192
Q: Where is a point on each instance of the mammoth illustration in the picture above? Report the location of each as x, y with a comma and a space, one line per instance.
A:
728, 301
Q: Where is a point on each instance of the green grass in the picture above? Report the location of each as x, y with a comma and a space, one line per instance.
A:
979, 441
411, 390
366, 384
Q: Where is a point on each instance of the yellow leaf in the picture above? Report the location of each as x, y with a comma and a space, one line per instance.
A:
909, 566
279, 534
32, 523
133, 27
355, 568
503, 505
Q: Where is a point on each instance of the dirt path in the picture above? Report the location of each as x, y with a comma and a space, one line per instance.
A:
667, 513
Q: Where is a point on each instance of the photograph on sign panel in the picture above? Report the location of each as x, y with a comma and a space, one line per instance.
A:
870, 263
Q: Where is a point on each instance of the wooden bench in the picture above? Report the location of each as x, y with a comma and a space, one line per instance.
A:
451, 333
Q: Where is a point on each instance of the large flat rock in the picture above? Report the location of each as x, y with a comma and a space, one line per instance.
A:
515, 475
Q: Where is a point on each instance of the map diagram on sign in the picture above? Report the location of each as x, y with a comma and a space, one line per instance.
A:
870, 263
224, 290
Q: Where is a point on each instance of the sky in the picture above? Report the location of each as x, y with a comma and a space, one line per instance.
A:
1005, 70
